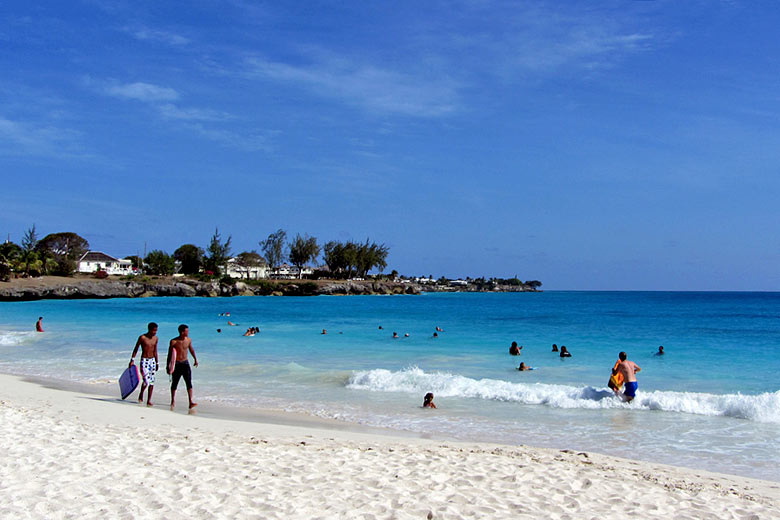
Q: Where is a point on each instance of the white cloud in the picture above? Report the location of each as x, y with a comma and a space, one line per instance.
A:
171, 111
27, 138
170, 38
519, 41
143, 92
248, 143
366, 85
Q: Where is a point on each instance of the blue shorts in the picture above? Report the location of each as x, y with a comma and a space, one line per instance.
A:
630, 390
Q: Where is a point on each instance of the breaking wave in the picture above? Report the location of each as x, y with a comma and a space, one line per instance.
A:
760, 408
11, 338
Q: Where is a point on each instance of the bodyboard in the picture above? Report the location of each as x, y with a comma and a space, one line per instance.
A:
171, 363
128, 381
617, 379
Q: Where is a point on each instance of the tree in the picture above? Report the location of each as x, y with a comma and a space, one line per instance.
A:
218, 253
354, 258
30, 239
369, 256
534, 284
191, 258
302, 250
29, 261
333, 256
65, 249
273, 248
9, 254
159, 263
350, 253
246, 260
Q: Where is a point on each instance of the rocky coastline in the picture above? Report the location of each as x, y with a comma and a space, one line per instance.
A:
51, 288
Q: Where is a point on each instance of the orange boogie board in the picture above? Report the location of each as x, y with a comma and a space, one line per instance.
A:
617, 379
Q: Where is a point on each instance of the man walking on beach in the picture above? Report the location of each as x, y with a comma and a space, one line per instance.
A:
149, 361
180, 346
628, 370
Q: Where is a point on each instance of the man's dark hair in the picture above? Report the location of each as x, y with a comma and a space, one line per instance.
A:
182, 327
622, 356
40, 317
152, 325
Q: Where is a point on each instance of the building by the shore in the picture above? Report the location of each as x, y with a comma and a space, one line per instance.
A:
93, 261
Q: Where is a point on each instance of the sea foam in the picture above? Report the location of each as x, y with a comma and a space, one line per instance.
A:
760, 408
12, 338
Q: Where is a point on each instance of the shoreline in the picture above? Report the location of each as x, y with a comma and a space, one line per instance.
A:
209, 410
112, 457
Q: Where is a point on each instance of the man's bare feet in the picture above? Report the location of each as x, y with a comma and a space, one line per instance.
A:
193, 405
140, 400
149, 404
172, 406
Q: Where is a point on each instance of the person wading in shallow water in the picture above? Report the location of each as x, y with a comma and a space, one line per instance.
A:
628, 369
182, 345
149, 361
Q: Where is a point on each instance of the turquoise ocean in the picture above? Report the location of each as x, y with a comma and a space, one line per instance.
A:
712, 402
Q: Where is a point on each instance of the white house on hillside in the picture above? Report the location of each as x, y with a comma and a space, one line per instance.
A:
250, 272
93, 261
290, 271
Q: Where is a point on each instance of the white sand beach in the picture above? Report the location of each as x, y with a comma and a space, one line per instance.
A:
70, 454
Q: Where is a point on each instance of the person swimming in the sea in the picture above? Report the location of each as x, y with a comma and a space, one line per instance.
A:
514, 349
660, 351
523, 367
565, 352
428, 401
395, 335
555, 348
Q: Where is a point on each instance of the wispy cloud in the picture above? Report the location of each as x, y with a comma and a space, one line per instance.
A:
202, 122
171, 111
362, 84
146, 34
140, 91
28, 138
518, 41
252, 142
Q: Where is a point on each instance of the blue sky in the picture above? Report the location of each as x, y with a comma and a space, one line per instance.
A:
609, 145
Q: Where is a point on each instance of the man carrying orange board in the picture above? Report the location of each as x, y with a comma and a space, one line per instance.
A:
627, 369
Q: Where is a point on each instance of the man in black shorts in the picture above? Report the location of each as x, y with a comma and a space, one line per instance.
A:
182, 345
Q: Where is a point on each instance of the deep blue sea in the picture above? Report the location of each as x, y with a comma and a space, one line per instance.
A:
712, 402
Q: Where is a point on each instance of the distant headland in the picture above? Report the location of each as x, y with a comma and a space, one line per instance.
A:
62, 266
83, 286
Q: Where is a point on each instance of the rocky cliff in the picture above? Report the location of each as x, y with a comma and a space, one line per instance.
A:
87, 288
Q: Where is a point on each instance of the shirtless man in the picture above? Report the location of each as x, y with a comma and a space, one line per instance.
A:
628, 369
149, 363
39, 324
182, 344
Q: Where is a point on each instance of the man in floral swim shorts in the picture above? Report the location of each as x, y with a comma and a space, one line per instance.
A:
149, 363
